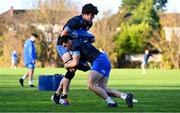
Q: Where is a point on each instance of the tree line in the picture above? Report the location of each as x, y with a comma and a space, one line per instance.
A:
134, 28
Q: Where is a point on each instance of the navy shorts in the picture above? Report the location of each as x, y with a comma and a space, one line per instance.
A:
102, 65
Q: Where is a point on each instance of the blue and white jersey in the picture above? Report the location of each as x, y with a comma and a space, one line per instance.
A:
14, 56
29, 52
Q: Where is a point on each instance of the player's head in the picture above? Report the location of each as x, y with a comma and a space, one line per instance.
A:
65, 41
88, 11
14, 52
34, 36
146, 51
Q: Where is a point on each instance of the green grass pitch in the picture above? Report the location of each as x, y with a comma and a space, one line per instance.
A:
156, 91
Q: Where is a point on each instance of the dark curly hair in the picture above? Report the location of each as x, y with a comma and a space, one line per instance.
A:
35, 35
89, 9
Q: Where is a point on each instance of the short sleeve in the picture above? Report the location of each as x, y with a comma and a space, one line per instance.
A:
75, 52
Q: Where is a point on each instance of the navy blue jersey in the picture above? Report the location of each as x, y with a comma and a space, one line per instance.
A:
78, 28
87, 51
76, 23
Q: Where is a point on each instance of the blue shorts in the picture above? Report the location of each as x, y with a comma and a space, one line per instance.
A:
61, 50
30, 66
102, 65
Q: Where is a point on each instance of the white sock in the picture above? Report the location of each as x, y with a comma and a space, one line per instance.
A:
134, 100
123, 95
24, 77
109, 100
30, 82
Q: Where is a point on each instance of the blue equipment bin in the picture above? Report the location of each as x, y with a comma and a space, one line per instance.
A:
49, 82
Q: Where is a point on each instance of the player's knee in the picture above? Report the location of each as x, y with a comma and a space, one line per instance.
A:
69, 75
90, 86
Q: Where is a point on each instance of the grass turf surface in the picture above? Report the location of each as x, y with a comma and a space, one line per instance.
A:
156, 91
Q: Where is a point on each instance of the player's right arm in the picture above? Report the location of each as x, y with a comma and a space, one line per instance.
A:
65, 32
74, 62
71, 25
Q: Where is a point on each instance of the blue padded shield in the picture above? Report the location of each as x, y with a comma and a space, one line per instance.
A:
49, 82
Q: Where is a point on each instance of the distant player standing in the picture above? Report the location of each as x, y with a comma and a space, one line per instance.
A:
145, 59
14, 59
29, 59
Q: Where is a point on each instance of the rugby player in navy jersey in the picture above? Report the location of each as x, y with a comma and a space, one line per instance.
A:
77, 27
99, 72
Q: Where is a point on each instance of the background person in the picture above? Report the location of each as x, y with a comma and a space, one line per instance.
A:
14, 59
145, 59
29, 59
